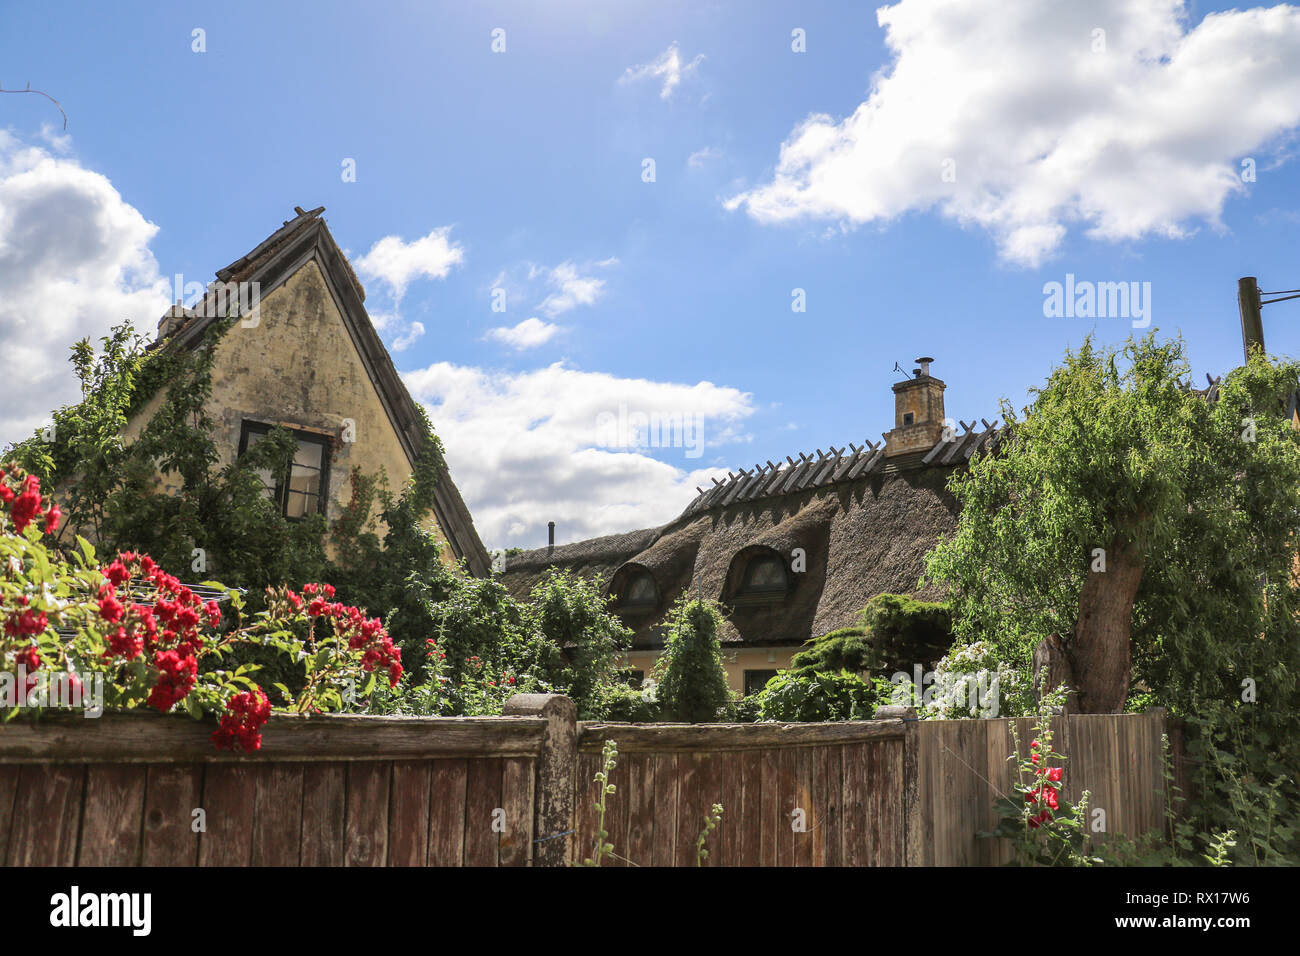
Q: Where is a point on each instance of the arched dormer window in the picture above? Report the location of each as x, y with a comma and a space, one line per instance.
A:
764, 574
634, 590
758, 574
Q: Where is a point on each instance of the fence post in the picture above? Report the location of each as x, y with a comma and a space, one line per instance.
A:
556, 766
913, 851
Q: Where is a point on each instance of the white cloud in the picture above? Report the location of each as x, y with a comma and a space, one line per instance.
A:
407, 339
1142, 139
573, 289
526, 449
667, 66
702, 156
397, 263
528, 334
562, 288
74, 261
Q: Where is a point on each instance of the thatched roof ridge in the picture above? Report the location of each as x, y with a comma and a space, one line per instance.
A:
836, 466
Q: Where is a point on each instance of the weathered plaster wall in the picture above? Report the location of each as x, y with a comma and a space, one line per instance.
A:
298, 367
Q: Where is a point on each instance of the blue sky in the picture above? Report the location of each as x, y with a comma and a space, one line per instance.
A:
523, 170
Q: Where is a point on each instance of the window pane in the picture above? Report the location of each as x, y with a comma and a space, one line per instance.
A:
765, 574
267, 476
641, 590
304, 481
308, 454
299, 505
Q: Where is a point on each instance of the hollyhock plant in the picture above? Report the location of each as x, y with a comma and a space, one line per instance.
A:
1044, 828
158, 644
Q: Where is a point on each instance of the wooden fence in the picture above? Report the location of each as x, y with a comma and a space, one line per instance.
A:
136, 789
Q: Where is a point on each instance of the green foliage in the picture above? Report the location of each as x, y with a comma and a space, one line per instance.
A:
471, 645
570, 614
620, 702
609, 760
1116, 445
803, 696
894, 633
744, 710
691, 681
710, 824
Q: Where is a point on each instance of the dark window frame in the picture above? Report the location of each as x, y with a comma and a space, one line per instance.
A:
624, 606
745, 679
281, 493
747, 588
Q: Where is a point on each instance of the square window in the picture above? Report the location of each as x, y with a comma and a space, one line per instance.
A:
907, 418
301, 489
756, 681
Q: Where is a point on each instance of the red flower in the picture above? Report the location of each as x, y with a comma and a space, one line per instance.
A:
29, 658
27, 506
240, 724
52, 518
116, 573
110, 608
176, 678
25, 623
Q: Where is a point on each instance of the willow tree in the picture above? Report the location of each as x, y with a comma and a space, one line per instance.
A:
1138, 528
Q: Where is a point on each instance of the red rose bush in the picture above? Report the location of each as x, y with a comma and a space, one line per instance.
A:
157, 644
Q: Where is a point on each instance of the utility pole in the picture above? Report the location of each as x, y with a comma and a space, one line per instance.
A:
1250, 300
1252, 323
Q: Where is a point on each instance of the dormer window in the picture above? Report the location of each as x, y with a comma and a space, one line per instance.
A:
300, 489
764, 574
758, 575
635, 590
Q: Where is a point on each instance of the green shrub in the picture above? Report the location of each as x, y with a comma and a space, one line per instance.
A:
620, 702
893, 633
820, 696
691, 682
743, 710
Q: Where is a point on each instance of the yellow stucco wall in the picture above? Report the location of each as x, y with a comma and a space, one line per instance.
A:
735, 662
298, 367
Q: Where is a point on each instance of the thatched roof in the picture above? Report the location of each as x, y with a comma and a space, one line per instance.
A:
864, 523
271, 263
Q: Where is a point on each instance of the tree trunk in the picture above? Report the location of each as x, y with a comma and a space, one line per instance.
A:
1100, 650
1052, 669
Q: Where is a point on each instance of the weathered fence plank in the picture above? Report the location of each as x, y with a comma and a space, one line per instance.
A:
324, 814
277, 815
408, 824
172, 793
448, 782
228, 803
367, 814
45, 814
111, 816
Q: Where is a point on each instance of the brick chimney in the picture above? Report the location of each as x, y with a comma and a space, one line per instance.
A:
918, 412
173, 320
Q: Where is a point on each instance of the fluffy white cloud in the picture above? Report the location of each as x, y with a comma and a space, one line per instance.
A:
572, 289
667, 67
397, 263
546, 445
528, 334
74, 261
1044, 122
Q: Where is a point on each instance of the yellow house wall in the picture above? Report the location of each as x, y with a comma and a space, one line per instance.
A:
298, 367
735, 662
